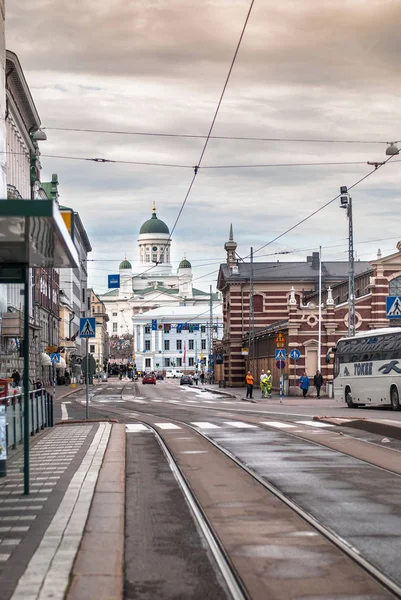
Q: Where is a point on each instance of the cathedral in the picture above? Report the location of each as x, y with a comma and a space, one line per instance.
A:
152, 283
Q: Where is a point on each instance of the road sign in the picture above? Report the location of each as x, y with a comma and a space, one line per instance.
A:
55, 357
393, 307
154, 324
280, 339
280, 364
295, 354
87, 327
113, 281
281, 354
50, 349
219, 359
244, 351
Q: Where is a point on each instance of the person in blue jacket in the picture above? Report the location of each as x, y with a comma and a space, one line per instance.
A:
304, 384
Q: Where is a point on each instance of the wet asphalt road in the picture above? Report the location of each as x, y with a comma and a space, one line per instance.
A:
359, 502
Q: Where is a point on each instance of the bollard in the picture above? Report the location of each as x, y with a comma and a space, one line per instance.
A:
3, 441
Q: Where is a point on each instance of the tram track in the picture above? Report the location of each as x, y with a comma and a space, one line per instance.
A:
234, 577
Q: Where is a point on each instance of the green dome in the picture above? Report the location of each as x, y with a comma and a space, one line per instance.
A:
125, 264
185, 264
154, 225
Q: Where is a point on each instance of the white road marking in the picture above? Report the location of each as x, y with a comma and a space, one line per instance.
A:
204, 425
67, 402
239, 424
64, 412
315, 423
135, 427
167, 426
277, 424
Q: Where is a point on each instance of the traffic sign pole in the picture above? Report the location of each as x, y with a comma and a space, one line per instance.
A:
87, 380
281, 386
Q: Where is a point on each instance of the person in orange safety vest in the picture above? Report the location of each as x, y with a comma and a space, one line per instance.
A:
249, 385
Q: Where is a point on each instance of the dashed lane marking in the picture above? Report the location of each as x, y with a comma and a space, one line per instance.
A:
240, 425
204, 425
315, 423
167, 426
278, 424
135, 427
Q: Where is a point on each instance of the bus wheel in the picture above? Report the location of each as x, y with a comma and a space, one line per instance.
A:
348, 398
395, 400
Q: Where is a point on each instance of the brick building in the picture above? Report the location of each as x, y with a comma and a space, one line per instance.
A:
286, 299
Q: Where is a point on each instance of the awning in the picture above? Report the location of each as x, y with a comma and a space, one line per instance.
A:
45, 360
62, 364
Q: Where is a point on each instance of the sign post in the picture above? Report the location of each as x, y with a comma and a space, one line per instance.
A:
280, 358
3, 442
87, 329
295, 354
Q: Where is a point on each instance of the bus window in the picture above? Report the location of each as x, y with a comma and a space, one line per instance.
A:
336, 366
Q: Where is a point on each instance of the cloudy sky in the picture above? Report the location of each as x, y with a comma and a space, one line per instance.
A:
312, 70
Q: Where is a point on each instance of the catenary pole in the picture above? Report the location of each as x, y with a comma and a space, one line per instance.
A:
251, 314
351, 278
211, 333
319, 351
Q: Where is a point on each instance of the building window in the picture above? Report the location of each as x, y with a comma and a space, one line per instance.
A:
203, 344
166, 362
161, 259
179, 344
167, 344
147, 328
395, 287
179, 362
83, 295
190, 361
258, 303
147, 363
92, 348
89, 302
203, 328
115, 325
147, 257
114, 314
190, 344
154, 256
147, 344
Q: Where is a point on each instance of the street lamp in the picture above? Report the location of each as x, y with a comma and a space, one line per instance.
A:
346, 203
392, 149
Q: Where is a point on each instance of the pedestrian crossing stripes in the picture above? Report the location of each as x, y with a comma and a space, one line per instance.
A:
206, 425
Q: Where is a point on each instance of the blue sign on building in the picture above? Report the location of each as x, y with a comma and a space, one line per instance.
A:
393, 307
113, 281
154, 324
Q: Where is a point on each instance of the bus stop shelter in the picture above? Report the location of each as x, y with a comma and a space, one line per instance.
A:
32, 234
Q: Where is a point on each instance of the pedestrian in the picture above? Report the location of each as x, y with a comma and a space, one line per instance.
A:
304, 384
249, 384
318, 382
202, 378
196, 377
16, 378
263, 384
269, 383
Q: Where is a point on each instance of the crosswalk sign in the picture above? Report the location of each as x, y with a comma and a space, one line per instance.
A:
393, 307
87, 327
280, 354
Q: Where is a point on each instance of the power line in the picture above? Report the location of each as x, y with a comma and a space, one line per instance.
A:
216, 137
196, 168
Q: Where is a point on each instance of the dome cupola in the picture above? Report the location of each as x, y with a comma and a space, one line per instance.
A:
154, 225
125, 264
185, 264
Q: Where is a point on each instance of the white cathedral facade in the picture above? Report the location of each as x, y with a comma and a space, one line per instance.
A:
151, 285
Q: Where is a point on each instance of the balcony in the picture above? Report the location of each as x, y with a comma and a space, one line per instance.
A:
12, 324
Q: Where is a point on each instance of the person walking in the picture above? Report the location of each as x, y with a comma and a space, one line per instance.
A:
263, 384
318, 382
196, 377
202, 378
249, 384
304, 384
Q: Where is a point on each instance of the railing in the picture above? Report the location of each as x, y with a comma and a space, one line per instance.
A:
40, 415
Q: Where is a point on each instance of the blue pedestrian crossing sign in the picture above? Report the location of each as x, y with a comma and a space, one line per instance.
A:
87, 327
281, 354
55, 357
295, 354
393, 307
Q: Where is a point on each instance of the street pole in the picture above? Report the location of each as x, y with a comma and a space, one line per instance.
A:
211, 332
281, 386
87, 380
319, 351
251, 314
351, 278
26, 381
295, 376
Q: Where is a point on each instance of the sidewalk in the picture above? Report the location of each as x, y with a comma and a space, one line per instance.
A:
240, 394
69, 531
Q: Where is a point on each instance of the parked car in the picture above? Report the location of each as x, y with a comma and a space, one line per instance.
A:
186, 380
159, 376
149, 378
175, 374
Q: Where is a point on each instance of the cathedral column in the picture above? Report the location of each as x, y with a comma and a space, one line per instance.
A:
153, 342
136, 339
161, 340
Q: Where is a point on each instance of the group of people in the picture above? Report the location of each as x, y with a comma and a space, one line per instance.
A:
266, 384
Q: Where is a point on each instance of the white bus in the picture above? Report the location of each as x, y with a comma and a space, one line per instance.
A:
367, 368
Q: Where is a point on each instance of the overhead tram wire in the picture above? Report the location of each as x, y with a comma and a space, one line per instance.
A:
197, 166
312, 214
215, 137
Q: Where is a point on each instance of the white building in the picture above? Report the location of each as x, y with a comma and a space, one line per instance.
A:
174, 337
151, 285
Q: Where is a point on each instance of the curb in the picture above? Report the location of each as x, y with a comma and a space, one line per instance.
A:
377, 427
227, 394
